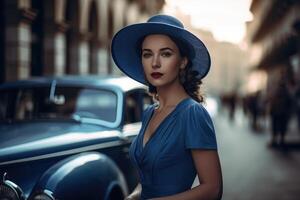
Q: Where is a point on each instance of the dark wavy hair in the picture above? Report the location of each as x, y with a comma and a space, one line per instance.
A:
188, 77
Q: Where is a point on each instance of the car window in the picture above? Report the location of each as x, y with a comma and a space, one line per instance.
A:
132, 108
135, 103
147, 100
16, 104
5, 106
65, 102
25, 104
97, 104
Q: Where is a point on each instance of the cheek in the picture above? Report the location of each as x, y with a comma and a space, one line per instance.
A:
173, 66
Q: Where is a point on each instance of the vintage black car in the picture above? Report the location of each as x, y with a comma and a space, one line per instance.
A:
67, 138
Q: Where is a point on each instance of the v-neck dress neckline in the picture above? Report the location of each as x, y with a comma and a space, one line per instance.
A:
165, 164
160, 124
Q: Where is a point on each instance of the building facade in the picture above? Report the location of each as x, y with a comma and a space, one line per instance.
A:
57, 37
274, 41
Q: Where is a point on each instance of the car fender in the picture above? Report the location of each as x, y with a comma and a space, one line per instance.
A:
88, 175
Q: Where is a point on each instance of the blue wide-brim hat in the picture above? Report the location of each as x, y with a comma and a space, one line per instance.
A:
126, 45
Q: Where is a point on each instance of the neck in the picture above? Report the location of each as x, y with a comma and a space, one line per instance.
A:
171, 95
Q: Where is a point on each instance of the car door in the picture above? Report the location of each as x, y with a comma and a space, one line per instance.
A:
134, 103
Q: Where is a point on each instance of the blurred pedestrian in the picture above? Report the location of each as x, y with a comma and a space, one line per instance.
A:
280, 111
297, 101
232, 101
177, 139
253, 109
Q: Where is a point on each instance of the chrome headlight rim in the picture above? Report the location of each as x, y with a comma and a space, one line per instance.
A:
11, 189
42, 195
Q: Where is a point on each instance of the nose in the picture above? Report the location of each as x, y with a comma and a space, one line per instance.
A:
155, 62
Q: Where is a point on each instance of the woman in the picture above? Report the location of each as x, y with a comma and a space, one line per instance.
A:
177, 139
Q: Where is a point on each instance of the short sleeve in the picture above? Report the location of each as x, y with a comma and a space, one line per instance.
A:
199, 129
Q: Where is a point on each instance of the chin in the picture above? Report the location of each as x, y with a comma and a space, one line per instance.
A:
156, 83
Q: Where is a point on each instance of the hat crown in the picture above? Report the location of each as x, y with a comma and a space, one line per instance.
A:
166, 19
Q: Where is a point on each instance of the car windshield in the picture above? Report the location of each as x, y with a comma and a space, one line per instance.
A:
63, 102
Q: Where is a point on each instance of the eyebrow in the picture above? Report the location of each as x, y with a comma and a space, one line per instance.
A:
162, 49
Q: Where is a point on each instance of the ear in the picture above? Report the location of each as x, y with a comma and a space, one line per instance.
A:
184, 62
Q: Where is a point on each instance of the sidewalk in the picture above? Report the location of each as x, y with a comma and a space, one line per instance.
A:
252, 170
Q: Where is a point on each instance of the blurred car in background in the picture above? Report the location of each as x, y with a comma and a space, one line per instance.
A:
68, 138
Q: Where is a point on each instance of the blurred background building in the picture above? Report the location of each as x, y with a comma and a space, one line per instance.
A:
274, 41
274, 50
57, 37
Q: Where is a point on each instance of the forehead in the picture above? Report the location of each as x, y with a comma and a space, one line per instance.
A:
158, 40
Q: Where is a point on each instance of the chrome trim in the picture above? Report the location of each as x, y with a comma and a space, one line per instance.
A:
119, 108
4, 177
45, 192
59, 140
13, 187
49, 193
66, 152
52, 91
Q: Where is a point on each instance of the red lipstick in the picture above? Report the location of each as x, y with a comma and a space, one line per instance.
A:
156, 75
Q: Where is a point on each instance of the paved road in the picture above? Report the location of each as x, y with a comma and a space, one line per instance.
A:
252, 170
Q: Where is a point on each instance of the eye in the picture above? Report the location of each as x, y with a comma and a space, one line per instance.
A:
166, 54
146, 54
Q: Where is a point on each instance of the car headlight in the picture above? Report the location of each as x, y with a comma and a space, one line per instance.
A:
44, 195
9, 190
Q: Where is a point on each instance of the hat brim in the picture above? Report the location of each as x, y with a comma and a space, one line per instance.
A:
125, 53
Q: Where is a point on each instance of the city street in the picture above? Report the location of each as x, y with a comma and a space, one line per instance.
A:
251, 169
74, 82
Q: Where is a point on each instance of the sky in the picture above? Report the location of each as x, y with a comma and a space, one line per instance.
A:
224, 18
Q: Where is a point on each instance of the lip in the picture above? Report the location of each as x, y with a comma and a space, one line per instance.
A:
156, 75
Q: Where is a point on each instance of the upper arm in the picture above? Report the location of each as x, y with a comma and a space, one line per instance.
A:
208, 168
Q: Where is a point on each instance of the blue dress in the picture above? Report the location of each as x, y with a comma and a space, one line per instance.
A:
165, 164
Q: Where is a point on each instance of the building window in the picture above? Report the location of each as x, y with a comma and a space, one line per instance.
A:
24, 50
84, 58
102, 60
60, 54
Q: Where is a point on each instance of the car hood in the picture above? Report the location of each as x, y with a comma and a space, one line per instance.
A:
23, 140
